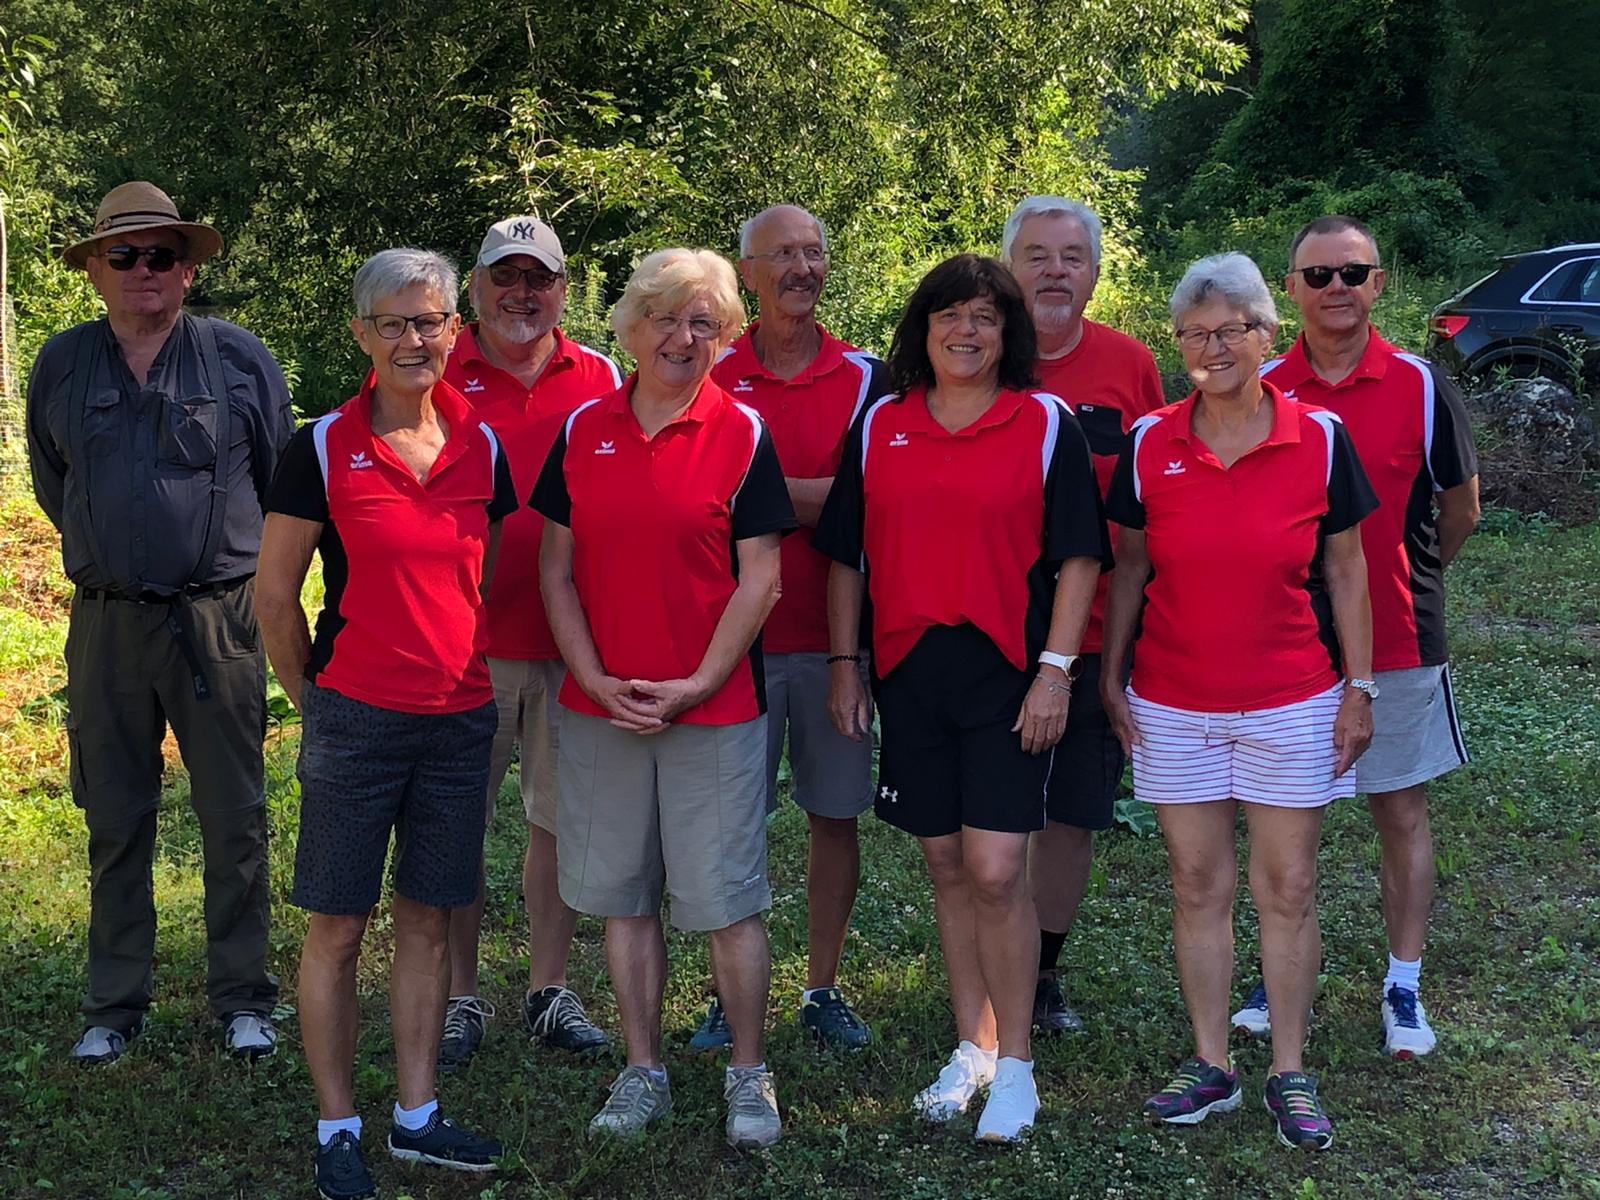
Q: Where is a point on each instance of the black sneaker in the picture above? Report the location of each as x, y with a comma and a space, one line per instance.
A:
555, 1016
341, 1173
444, 1144
1051, 1012
833, 1022
713, 1033
465, 1020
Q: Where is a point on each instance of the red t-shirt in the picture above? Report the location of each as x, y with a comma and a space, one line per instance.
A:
1110, 380
808, 417
967, 527
1412, 432
527, 421
1236, 616
402, 624
654, 524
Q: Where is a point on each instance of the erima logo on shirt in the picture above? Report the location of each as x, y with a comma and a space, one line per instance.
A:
899, 439
744, 385
1174, 468
359, 459
474, 386
606, 448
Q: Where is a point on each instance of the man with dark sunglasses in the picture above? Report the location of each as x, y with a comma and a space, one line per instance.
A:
523, 375
153, 435
1411, 430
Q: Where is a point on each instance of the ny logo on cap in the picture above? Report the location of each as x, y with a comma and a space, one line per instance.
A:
522, 229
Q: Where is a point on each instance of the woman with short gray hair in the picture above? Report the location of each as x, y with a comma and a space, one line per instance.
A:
1241, 550
401, 490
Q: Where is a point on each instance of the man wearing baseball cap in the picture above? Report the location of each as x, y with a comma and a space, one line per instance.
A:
153, 435
523, 376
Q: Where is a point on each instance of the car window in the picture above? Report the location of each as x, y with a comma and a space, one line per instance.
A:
1589, 288
1557, 285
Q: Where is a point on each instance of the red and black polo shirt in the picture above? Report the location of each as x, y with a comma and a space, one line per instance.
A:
1110, 380
808, 417
967, 527
527, 421
1236, 614
655, 522
402, 623
1412, 432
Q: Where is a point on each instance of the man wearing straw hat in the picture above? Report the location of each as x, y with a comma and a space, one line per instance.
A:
153, 435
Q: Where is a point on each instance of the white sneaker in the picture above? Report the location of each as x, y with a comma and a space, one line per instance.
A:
1013, 1103
946, 1097
753, 1120
1253, 1018
99, 1044
1406, 1032
249, 1036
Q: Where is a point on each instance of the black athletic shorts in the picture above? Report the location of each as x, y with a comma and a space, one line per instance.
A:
947, 757
1089, 759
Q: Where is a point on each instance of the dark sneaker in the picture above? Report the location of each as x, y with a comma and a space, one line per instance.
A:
1051, 1012
100, 1044
555, 1016
1292, 1100
833, 1022
465, 1022
444, 1144
341, 1173
249, 1036
713, 1033
1253, 1018
1196, 1091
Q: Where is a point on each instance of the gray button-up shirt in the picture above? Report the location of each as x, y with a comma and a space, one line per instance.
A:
150, 455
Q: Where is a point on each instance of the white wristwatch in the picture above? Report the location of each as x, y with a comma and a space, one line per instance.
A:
1072, 664
1369, 686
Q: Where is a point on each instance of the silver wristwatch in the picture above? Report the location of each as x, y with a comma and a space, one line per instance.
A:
1369, 686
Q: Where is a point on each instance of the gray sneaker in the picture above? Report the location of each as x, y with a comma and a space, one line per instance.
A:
465, 1022
102, 1044
752, 1097
636, 1099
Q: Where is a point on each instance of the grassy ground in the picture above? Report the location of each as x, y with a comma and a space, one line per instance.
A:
1506, 1108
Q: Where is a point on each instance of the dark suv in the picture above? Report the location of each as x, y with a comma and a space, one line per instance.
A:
1534, 316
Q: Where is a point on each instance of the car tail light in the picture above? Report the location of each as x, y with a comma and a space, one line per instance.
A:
1447, 327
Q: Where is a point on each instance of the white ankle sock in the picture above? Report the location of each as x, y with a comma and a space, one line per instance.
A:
1403, 973
1004, 1067
972, 1050
326, 1129
415, 1118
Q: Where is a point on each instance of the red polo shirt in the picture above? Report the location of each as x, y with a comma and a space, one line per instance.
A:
1236, 616
402, 624
527, 421
967, 527
1412, 431
808, 417
654, 524
1110, 380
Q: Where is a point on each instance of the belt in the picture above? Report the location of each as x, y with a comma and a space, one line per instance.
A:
192, 591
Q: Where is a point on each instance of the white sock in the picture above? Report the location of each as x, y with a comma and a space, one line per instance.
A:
415, 1118
1403, 973
809, 994
760, 1066
326, 1129
972, 1050
1012, 1066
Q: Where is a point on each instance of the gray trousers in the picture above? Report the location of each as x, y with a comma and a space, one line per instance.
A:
127, 678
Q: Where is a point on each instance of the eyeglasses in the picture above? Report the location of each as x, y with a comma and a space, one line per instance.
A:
783, 256
1353, 274
124, 258
702, 328
393, 327
984, 318
1229, 335
507, 274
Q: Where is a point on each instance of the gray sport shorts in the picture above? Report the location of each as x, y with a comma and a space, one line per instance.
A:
1416, 734
525, 695
681, 812
831, 776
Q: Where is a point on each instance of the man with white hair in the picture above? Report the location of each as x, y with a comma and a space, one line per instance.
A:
1052, 246
808, 386
524, 376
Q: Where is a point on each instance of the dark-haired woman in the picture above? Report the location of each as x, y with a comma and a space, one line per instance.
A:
966, 503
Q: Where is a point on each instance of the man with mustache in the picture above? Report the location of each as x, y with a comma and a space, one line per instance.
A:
523, 376
1052, 246
1413, 435
808, 385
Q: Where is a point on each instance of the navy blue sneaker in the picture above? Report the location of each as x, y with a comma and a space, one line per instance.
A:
713, 1033
341, 1173
833, 1022
1292, 1101
444, 1144
1198, 1089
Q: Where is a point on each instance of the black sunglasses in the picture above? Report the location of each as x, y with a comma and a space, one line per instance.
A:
507, 274
125, 258
1353, 274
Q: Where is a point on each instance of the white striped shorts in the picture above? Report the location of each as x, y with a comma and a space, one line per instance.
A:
1281, 756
